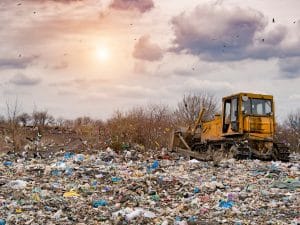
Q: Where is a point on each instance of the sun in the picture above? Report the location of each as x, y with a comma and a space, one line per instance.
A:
102, 53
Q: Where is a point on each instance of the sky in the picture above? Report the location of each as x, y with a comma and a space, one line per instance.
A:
92, 57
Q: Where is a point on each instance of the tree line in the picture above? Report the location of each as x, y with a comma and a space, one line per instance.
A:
149, 126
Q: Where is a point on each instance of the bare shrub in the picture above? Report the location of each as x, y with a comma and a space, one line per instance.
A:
191, 104
85, 126
148, 126
116, 130
67, 123
160, 124
83, 121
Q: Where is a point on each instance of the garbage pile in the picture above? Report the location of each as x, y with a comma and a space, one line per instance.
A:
150, 188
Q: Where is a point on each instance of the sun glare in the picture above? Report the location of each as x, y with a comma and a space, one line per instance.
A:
102, 53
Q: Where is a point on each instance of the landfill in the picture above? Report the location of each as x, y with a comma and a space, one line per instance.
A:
146, 187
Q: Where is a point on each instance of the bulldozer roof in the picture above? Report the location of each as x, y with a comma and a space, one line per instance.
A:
251, 95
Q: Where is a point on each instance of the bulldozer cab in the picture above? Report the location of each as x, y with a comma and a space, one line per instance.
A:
248, 114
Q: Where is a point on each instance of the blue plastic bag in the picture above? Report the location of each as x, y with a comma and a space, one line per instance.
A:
178, 218
98, 203
192, 219
56, 172
69, 171
7, 163
155, 165
106, 189
68, 155
79, 158
196, 190
226, 204
116, 179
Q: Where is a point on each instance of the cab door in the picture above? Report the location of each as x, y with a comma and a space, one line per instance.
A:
230, 116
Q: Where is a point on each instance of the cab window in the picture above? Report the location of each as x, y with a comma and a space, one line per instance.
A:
230, 115
256, 106
246, 106
234, 114
261, 107
226, 118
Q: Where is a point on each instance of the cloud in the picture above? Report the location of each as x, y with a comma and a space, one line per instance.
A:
217, 33
133, 91
24, 80
17, 63
275, 36
140, 5
60, 1
66, 93
79, 83
215, 86
144, 49
290, 67
60, 66
295, 97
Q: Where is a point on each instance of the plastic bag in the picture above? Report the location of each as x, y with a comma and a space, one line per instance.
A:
98, 203
226, 204
71, 194
17, 184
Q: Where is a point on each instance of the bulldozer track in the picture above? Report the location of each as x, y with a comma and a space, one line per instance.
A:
213, 150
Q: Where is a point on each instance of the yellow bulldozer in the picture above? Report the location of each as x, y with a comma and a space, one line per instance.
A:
244, 130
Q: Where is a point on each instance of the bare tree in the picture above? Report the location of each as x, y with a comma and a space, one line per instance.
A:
191, 104
292, 130
83, 121
68, 123
12, 110
24, 118
293, 121
60, 122
2, 119
42, 118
